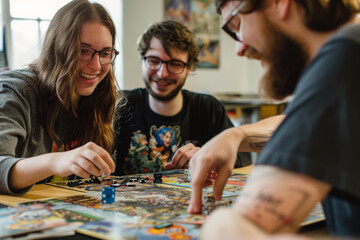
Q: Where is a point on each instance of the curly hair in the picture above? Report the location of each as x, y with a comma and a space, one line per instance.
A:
57, 68
320, 15
171, 34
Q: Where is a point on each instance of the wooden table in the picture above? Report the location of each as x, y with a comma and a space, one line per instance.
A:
39, 191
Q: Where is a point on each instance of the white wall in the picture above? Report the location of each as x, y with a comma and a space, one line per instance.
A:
234, 74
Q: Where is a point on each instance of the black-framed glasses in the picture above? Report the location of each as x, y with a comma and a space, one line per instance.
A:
232, 25
173, 66
106, 56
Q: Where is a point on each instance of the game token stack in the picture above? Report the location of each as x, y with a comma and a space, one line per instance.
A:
209, 204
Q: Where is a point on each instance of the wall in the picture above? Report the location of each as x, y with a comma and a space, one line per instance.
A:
234, 75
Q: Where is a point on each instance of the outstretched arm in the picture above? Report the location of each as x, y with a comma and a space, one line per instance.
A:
273, 201
257, 134
84, 161
253, 139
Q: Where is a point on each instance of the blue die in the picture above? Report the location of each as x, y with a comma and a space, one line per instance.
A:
108, 195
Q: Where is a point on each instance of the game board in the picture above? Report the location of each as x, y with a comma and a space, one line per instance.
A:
137, 211
25, 219
142, 210
233, 186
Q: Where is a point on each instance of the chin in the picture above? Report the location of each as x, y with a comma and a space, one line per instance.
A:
84, 92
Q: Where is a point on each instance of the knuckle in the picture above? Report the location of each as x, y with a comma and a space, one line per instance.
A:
191, 145
90, 144
181, 151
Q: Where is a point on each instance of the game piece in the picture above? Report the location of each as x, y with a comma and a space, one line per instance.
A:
124, 182
115, 185
108, 195
157, 177
74, 183
187, 175
163, 225
94, 179
212, 175
133, 179
209, 204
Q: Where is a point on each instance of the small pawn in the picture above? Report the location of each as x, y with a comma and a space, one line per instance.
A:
187, 175
208, 204
157, 177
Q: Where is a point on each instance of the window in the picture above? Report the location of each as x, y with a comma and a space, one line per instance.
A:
28, 22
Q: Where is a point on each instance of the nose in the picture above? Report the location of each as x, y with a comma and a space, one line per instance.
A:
163, 71
95, 62
240, 48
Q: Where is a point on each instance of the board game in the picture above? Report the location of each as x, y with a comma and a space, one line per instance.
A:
142, 206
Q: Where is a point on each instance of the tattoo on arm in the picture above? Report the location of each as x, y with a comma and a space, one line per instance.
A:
257, 143
275, 213
277, 206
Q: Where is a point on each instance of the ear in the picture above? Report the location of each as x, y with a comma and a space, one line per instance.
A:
282, 7
189, 70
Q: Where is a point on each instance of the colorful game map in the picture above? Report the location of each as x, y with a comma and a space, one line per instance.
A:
141, 209
25, 219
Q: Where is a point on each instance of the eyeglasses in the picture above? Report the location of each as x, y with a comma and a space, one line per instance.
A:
105, 56
173, 66
232, 28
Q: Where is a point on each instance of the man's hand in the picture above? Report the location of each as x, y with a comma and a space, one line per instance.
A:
218, 155
182, 157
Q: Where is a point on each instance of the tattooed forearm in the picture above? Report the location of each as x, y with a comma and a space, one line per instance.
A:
256, 135
274, 213
256, 143
275, 200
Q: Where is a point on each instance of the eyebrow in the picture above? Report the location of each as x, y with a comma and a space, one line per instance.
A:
90, 46
171, 59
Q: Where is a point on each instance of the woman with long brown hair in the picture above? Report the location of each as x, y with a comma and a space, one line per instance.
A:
56, 115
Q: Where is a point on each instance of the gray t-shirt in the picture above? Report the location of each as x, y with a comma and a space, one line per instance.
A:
21, 134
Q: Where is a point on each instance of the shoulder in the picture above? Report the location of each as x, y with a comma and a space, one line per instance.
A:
132, 100
200, 98
18, 77
340, 56
344, 43
135, 95
131, 97
349, 32
22, 81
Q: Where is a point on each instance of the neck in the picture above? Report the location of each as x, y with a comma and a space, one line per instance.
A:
166, 108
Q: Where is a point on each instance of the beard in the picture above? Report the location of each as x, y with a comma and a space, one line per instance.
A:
286, 60
172, 94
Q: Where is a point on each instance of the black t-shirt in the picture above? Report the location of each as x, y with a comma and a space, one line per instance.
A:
145, 140
320, 134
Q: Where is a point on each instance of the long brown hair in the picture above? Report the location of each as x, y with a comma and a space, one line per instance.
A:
57, 68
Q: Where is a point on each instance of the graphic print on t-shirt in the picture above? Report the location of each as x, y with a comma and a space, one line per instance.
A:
151, 155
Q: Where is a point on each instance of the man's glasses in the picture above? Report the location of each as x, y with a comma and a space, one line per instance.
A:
105, 56
232, 25
173, 66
